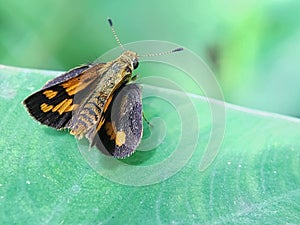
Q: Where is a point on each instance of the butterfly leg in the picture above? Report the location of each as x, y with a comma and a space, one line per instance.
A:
147, 121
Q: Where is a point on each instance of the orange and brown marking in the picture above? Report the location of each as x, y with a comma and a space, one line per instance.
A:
45, 107
63, 106
74, 85
71, 108
50, 94
120, 138
59, 105
110, 130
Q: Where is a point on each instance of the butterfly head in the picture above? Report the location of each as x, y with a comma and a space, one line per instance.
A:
130, 58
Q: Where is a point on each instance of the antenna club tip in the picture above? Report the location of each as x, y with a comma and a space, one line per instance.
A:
178, 50
110, 21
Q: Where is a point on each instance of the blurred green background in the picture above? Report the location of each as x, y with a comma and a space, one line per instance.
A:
252, 46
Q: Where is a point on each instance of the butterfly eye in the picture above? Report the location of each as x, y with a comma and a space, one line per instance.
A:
128, 70
135, 64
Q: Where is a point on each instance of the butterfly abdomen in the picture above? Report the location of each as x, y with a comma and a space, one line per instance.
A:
88, 119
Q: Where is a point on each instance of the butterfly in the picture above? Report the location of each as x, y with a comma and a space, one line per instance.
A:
96, 101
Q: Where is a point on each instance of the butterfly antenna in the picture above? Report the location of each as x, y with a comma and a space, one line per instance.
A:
163, 53
114, 33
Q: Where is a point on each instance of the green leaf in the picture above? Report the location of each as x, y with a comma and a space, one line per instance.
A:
45, 179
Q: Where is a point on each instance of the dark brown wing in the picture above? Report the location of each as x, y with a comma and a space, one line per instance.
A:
54, 104
123, 127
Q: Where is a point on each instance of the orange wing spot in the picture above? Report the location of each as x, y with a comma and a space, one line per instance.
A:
63, 106
73, 89
59, 105
71, 83
45, 107
66, 105
74, 85
120, 138
109, 129
50, 94
71, 108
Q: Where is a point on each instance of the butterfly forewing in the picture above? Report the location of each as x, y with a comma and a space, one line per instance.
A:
54, 105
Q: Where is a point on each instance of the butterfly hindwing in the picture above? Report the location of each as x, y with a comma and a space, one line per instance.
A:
122, 130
